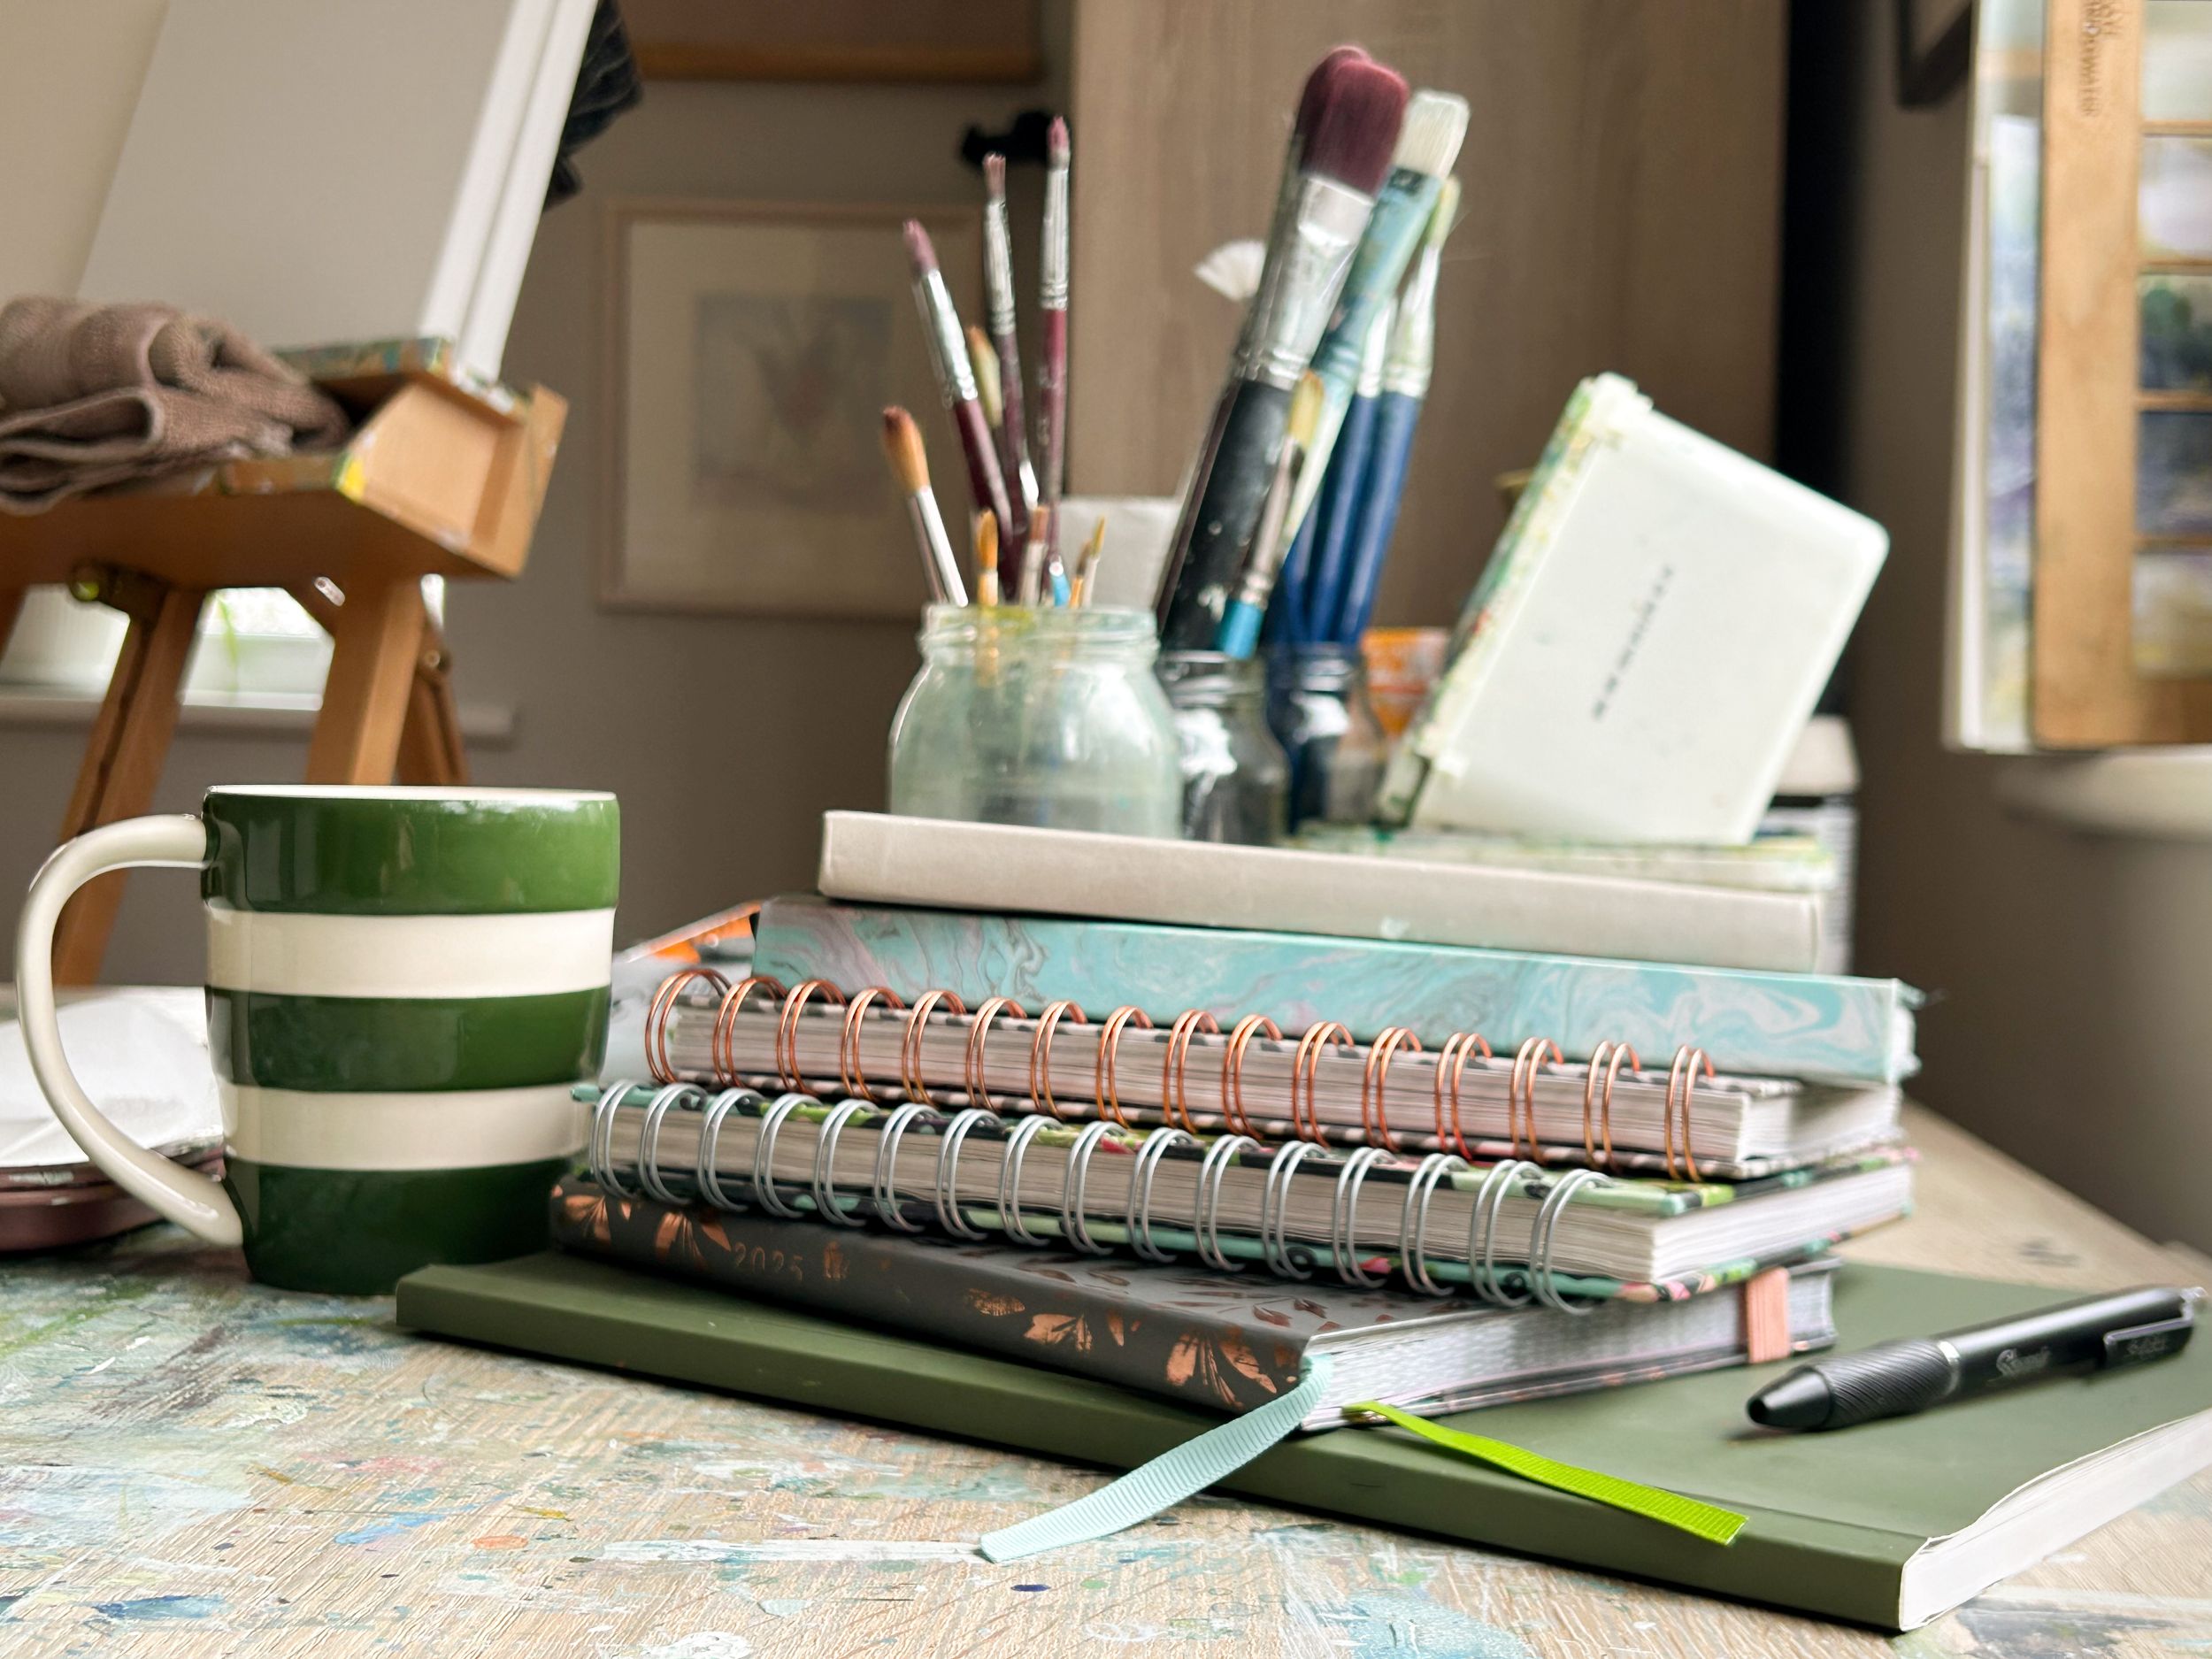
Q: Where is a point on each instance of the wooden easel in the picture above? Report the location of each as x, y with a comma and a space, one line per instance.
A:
440, 480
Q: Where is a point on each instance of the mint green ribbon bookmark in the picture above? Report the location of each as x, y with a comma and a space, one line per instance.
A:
1168, 1478
1714, 1525
1218, 1453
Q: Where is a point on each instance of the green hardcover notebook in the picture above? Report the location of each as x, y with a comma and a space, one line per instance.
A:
1890, 1524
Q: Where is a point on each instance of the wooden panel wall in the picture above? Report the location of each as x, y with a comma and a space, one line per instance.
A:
1622, 211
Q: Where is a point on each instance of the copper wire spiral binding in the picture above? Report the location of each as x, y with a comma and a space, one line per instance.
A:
1609, 1056
1233, 1112
649, 1141
1520, 1094
1344, 1218
656, 1012
1074, 1219
1682, 1078
722, 1050
826, 1203
1206, 1213
1174, 1085
848, 1068
978, 1036
1106, 1073
788, 1027
1041, 1053
1451, 1060
1374, 1119
1302, 1066
1138, 1212
1413, 1227
911, 1043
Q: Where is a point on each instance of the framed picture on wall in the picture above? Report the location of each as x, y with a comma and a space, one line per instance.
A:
752, 349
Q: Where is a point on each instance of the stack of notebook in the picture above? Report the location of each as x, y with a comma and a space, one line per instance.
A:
1367, 1149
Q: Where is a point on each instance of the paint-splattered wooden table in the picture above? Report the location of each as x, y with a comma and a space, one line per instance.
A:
192, 1466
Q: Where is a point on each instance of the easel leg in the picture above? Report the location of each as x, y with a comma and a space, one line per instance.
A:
376, 639
123, 756
430, 749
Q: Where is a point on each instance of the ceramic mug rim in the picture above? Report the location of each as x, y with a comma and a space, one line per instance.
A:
489, 794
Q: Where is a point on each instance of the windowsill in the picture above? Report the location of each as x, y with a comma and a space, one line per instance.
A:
275, 714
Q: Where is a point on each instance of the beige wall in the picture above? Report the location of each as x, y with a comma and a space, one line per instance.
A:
726, 737
2072, 975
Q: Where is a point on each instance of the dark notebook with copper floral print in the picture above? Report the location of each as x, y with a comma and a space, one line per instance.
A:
1221, 1341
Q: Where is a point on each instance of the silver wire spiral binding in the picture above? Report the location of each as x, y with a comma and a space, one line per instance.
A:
885, 1187
1540, 1238
1075, 1225
709, 1176
1344, 1218
1010, 1180
1482, 1231
649, 1141
1413, 1228
772, 1122
1275, 1206
601, 1162
956, 1127
825, 1183
1206, 1214
1138, 1214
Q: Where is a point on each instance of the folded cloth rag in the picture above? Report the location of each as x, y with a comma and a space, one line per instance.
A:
94, 395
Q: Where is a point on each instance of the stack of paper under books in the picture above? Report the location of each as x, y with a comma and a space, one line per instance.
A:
1276, 1132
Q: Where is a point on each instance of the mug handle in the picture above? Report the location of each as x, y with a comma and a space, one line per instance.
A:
178, 839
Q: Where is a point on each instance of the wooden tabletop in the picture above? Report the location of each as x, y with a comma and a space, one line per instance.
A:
194, 1466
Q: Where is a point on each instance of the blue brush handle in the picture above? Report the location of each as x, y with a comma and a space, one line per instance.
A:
1395, 417
1336, 511
1286, 614
1240, 634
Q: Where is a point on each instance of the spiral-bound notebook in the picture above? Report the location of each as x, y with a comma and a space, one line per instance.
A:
1510, 1233
1248, 1077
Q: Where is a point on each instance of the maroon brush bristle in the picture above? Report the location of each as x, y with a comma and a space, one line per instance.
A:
1318, 83
995, 175
918, 246
1355, 125
1056, 142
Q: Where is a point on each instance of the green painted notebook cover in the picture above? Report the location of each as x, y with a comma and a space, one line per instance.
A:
1834, 1519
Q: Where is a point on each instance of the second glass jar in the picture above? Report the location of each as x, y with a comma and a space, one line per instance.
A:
1236, 781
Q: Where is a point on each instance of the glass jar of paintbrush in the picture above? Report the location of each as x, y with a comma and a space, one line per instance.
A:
1236, 782
1319, 710
1045, 716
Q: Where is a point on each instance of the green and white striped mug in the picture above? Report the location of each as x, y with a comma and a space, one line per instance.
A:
403, 986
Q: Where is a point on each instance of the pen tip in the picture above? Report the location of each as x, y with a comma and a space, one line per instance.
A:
1798, 1401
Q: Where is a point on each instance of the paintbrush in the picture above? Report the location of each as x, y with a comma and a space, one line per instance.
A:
1239, 631
984, 361
1336, 510
1087, 567
1405, 383
986, 583
955, 379
1428, 144
910, 467
1348, 120
1052, 372
998, 299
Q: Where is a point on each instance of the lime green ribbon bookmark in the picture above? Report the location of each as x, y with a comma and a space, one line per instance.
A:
1714, 1525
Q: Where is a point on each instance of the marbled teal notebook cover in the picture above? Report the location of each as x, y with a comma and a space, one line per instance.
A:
1815, 1026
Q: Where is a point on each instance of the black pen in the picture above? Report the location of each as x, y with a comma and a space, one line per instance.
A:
1893, 1378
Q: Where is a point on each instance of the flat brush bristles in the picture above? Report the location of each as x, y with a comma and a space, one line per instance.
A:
903, 448
1435, 126
1354, 125
1305, 410
1320, 79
